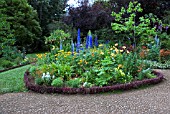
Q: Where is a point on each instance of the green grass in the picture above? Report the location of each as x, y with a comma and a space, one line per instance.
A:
12, 80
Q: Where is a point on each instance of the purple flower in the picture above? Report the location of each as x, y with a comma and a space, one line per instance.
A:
166, 28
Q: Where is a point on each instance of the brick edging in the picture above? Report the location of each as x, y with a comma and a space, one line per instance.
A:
92, 90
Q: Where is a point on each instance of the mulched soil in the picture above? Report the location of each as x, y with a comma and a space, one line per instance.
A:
151, 100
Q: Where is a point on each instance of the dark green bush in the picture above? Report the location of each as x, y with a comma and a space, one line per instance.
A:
6, 63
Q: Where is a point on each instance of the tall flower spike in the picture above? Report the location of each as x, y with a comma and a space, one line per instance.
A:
90, 39
78, 37
61, 47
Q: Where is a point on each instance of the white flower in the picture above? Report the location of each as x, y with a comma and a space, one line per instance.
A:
85, 83
48, 75
53, 76
43, 76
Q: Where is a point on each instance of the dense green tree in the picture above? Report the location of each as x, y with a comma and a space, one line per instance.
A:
22, 21
48, 12
6, 36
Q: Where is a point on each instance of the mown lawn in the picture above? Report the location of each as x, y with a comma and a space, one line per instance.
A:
12, 80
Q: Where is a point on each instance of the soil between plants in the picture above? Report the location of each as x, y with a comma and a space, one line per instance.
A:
30, 84
151, 100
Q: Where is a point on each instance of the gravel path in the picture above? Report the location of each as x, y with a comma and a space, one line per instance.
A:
151, 100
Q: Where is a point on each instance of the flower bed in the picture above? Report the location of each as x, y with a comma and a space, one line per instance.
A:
29, 82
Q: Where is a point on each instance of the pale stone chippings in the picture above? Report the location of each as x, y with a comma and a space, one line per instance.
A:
151, 100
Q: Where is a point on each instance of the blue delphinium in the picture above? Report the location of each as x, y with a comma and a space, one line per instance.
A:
61, 47
87, 42
78, 41
90, 39
78, 37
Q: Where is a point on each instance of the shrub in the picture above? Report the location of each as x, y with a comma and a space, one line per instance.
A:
74, 83
39, 81
58, 82
6, 63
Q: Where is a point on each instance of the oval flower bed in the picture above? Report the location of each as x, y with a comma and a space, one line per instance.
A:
88, 68
50, 89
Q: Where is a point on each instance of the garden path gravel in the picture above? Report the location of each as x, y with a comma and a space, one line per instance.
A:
151, 100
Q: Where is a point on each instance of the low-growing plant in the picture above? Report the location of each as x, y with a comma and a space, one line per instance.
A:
74, 83
58, 82
39, 81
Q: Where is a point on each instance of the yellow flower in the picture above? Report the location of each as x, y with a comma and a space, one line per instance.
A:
117, 51
96, 62
101, 53
61, 51
111, 48
86, 62
113, 55
69, 53
120, 66
116, 44
124, 47
56, 58
122, 73
121, 50
53, 48
100, 45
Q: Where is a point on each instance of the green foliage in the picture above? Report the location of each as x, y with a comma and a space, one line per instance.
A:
100, 66
136, 32
6, 63
154, 53
57, 37
58, 82
22, 21
39, 81
74, 83
48, 11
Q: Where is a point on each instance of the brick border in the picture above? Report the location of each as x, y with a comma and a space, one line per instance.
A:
92, 90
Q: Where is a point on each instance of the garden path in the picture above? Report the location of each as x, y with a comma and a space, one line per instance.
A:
151, 100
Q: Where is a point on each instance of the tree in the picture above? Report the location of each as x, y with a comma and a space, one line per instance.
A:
48, 12
23, 22
6, 36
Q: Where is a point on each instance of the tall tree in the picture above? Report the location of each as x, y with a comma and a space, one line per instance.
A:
23, 22
48, 11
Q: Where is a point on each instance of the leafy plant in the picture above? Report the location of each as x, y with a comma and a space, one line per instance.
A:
128, 25
58, 82
39, 81
74, 83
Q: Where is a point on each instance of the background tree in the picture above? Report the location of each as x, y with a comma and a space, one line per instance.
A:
49, 11
23, 22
